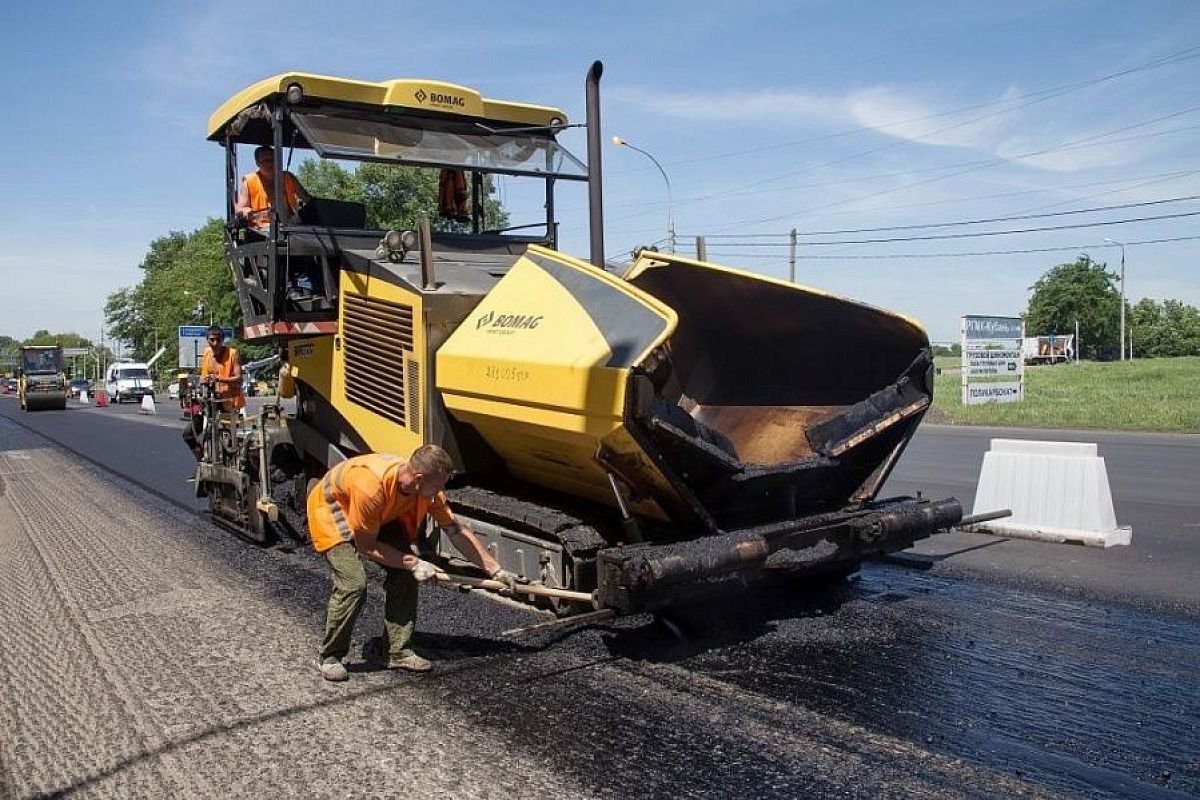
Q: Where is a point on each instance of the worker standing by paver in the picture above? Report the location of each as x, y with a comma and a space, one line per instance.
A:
346, 510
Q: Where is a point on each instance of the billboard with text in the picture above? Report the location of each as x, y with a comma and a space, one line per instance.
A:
993, 370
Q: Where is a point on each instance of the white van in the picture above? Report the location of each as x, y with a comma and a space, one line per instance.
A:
128, 380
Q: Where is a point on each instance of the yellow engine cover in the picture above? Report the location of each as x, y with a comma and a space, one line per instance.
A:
539, 369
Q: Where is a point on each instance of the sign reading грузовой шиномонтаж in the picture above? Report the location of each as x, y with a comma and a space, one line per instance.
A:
993, 370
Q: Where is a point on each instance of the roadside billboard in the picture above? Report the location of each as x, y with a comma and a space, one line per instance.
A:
993, 370
192, 343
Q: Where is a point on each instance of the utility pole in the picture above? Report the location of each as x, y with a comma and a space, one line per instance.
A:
792, 255
701, 249
1076, 341
1118, 244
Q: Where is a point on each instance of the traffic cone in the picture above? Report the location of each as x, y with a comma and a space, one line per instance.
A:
101, 398
83, 398
148, 404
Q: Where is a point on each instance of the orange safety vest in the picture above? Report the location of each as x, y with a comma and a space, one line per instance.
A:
452, 195
223, 368
362, 494
260, 198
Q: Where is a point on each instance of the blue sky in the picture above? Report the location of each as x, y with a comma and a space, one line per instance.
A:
822, 116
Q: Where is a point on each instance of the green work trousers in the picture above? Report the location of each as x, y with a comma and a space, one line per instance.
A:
346, 601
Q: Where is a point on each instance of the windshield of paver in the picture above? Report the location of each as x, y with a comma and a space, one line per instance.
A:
467, 146
40, 362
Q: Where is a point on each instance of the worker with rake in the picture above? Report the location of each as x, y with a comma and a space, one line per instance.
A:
346, 510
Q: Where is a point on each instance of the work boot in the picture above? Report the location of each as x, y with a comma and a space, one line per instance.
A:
411, 662
333, 670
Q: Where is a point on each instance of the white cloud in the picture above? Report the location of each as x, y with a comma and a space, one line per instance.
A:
903, 115
1009, 128
769, 105
1068, 159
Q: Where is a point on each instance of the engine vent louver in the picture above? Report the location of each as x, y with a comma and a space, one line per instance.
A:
414, 391
381, 370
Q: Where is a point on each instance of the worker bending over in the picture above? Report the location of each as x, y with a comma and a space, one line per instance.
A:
346, 510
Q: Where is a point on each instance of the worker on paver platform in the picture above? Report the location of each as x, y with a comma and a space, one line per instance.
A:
346, 510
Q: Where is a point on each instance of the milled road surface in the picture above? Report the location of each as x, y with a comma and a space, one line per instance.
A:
144, 652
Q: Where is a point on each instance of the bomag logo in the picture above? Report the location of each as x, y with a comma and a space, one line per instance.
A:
439, 99
507, 322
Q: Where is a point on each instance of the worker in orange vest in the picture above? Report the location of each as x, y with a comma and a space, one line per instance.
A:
452, 195
254, 200
347, 510
221, 368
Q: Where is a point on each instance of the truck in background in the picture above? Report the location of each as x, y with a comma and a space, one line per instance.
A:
128, 380
1048, 349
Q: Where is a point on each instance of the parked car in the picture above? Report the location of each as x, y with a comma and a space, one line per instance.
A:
78, 385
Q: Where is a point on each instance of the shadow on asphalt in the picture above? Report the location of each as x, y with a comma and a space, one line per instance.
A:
441, 647
926, 561
687, 631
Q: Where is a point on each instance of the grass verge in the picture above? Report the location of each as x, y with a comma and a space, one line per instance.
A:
1160, 394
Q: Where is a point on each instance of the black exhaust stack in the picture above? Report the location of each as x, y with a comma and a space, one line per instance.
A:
595, 189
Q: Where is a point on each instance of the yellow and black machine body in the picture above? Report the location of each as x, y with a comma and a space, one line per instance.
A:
42, 383
639, 436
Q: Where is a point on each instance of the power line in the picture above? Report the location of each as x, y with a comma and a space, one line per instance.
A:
965, 222
1035, 97
1042, 96
972, 166
1146, 180
984, 162
1153, 180
943, 236
890, 256
983, 165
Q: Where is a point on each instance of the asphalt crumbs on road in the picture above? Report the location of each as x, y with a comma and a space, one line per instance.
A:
144, 651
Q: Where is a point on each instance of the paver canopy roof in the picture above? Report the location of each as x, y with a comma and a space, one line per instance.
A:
405, 94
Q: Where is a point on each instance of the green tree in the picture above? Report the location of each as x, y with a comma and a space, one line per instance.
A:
186, 281
1163, 330
186, 278
44, 337
1080, 291
947, 349
394, 195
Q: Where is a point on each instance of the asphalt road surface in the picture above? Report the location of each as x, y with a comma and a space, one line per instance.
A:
145, 652
1154, 480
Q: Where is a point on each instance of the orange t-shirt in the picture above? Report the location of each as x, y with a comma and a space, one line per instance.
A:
362, 494
260, 197
223, 368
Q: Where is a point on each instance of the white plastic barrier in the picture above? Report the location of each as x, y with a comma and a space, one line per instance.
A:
83, 396
1058, 492
148, 404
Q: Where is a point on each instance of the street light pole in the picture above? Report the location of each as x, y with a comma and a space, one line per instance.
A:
619, 142
1118, 244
